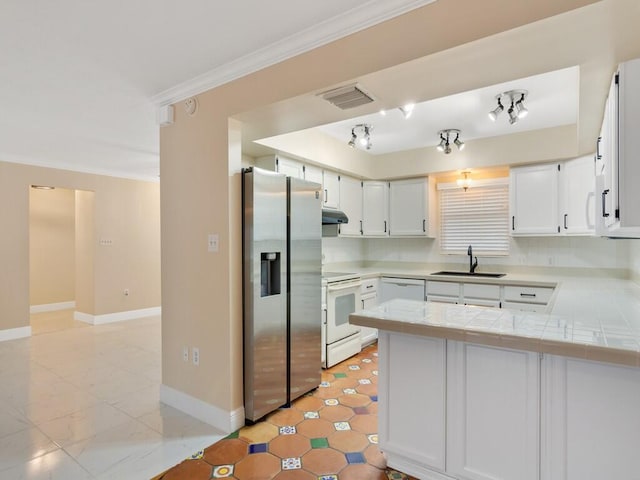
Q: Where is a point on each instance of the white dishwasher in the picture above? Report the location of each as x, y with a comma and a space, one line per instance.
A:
406, 288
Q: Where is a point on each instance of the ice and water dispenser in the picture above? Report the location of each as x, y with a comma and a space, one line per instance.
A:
269, 273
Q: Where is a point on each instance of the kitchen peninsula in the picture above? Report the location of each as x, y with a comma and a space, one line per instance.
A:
498, 394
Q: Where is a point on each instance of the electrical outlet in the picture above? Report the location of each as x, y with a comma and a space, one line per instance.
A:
195, 353
212, 242
126, 292
185, 354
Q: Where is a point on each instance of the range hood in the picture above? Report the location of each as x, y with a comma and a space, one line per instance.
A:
333, 217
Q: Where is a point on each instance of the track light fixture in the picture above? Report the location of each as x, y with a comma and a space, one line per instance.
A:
361, 134
515, 100
445, 140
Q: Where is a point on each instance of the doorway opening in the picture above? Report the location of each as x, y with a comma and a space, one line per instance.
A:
60, 262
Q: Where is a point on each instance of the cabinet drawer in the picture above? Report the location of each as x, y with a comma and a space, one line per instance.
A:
525, 307
441, 299
475, 290
528, 294
369, 285
482, 302
450, 289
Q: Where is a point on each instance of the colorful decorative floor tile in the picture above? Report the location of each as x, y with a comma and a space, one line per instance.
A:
222, 471
313, 437
342, 426
291, 463
355, 457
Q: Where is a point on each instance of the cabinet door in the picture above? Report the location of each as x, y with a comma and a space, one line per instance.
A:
492, 393
351, 205
408, 207
578, 195
289, 167
533, 200
313, 174
375, 209
590, 420
609, 194
412, 379
367, 334
331, 184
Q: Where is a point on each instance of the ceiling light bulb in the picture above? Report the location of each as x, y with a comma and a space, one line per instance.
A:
447, 149
363, 141
459, 143
521, 110
493, 114
441, 145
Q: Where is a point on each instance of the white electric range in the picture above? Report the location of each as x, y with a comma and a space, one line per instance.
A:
341, 297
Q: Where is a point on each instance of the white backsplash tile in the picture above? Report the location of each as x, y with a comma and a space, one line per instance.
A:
586, 252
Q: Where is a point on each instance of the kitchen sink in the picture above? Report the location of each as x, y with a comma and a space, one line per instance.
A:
467, 274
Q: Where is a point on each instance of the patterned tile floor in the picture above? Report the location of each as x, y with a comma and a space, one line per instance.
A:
329, 434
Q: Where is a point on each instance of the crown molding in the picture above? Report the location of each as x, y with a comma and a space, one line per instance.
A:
370, 13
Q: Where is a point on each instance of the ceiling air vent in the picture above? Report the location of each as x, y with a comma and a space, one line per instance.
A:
350, 96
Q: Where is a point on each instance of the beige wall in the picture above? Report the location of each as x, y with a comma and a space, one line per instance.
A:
200, 194
125, 211
51, 246
85, 247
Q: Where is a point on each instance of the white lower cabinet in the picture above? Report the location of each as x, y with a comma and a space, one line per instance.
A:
411, 395
492, 412
590, 420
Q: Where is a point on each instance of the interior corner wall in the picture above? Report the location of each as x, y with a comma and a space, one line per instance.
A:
51, 246
126, 212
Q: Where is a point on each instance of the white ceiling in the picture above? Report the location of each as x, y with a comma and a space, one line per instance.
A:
81, 80
552, 101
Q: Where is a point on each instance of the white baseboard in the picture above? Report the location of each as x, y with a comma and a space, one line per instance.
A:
14, 333
52, 307
116, 317
221, 419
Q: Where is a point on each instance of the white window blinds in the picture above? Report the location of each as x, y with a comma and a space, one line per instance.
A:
477, 217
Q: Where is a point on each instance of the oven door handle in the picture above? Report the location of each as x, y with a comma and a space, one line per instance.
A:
346, 286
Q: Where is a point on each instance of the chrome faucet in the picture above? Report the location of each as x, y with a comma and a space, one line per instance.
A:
472, 265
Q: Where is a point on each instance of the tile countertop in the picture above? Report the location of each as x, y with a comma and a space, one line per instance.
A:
565, 335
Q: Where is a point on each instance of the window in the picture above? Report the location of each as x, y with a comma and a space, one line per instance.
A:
478, 216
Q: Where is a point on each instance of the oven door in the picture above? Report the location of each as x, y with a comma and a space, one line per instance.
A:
342, 300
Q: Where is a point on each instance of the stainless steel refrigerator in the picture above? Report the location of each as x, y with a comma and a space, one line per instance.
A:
282, 230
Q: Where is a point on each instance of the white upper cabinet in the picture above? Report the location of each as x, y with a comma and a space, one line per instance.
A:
620, 169
313, 174
410, 208
281, 164
375, 209
331, 186
577, 188
533, 199
351, 205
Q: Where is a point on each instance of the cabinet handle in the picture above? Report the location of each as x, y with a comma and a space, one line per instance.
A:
604, 203
369, 286
513, 222
424, 225
385, 226
598, 154
530, 295
362, 304
360, 227
565, 221
326, 195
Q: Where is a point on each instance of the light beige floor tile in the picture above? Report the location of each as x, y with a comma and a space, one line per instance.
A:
56, 465
83, 424
20, 447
